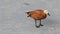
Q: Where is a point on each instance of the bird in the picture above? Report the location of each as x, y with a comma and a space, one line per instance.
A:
38, 14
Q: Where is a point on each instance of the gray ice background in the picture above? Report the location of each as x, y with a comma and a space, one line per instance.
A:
13, 18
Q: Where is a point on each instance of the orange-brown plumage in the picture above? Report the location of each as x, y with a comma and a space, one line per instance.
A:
37, 14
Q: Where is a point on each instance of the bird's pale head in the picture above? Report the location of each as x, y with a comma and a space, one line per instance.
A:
46, 12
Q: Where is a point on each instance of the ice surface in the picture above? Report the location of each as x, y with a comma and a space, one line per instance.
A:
13, 18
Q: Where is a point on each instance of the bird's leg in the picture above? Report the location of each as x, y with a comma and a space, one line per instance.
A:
40, 23
36, 24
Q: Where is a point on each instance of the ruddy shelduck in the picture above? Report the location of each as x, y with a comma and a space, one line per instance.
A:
38, 14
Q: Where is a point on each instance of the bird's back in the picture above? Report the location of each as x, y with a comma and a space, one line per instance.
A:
38, 14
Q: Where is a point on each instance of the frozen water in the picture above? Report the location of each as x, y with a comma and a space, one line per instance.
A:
13, 18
